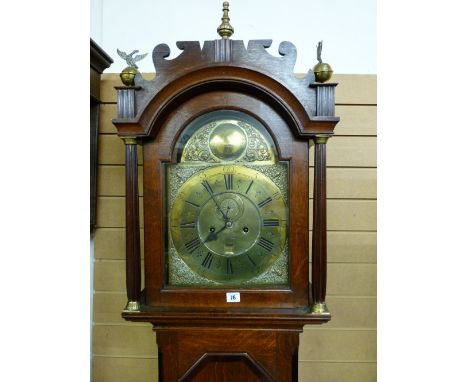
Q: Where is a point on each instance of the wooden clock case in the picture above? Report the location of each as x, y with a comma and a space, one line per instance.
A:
200, 336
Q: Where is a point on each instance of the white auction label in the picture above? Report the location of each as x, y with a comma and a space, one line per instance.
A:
233, 297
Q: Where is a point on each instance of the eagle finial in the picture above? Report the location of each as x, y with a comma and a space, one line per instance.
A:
319, 52
131, 61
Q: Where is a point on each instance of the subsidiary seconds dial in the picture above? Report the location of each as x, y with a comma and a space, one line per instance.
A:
229, 223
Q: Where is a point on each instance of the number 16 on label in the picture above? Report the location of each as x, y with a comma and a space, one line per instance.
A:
232, 297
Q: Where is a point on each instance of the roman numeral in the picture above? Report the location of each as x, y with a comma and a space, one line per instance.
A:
228, 181
248, 188
187, 225
191, 203
207, 260
265, 202
251, 260
229, 269
276, 196
207, 186
265, 244
271, 223
193, 245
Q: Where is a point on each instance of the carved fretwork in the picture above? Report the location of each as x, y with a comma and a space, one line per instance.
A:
233, 52
228, 64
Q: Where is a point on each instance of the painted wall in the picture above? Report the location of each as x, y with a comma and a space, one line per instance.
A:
347, 28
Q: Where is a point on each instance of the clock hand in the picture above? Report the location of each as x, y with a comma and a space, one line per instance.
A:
214, 235
225, 218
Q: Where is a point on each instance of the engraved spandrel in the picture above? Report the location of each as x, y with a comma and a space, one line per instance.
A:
278, 173
177, 175
197, 148
257, 147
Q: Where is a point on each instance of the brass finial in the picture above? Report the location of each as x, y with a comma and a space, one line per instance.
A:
225, 30
322, 70
128, 74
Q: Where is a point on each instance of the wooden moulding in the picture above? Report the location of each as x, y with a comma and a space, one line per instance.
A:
293, 319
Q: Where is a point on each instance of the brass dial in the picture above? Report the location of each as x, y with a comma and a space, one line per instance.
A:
229, 223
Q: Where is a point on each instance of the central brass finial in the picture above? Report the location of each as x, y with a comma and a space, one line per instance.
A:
225, 30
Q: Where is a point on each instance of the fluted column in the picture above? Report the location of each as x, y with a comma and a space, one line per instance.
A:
319, 229
132, 224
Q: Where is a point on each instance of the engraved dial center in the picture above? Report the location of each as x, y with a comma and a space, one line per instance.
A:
231, 207
234, 212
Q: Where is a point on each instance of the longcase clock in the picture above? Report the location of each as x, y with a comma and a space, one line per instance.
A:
225, 131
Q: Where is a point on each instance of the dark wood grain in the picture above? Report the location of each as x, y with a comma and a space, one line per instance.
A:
227, 355
319, 229
229, 367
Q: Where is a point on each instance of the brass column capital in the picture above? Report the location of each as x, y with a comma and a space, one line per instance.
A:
132, 306
129, 140
320, 308
321, 139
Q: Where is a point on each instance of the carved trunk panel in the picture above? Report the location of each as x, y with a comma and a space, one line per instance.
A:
228, 355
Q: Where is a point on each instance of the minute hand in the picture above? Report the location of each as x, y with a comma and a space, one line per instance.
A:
208, 188
225, 217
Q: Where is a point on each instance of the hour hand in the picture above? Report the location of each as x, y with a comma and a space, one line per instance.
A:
214, 235
211, 236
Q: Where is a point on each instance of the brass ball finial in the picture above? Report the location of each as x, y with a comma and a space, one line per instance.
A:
225, 30
322, 70
128, 76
